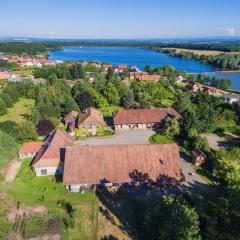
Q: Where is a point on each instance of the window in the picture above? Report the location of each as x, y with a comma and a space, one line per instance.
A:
44, 172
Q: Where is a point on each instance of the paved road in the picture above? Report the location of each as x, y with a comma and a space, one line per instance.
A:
190, 180
13, 171
123, 137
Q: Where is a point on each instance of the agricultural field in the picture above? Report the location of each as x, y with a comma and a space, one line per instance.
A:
201, 52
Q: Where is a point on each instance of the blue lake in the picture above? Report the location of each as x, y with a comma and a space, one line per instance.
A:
135, 57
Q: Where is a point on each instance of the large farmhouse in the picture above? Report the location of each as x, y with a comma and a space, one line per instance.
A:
49, 159
87, 165
142, 118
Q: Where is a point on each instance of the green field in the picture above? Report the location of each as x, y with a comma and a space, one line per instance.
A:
32, 191
18, 111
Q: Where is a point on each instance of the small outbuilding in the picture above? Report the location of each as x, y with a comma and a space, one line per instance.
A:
198, 158
30, 149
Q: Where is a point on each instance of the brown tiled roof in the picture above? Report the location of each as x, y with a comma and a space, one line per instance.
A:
53, 151
31, 147
122, 67
70, 117
90, 115
148, 77
88, 164
190, 86
143, 115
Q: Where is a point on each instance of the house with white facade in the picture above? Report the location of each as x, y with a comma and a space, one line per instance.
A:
50, 158
30, 149
231, 98
142, 118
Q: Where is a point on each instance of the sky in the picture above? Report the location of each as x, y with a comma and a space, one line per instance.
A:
119, 19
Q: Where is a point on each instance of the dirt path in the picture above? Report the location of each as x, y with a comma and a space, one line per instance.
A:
13, 171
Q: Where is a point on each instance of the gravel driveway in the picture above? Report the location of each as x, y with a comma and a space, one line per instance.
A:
215, 142
123, 137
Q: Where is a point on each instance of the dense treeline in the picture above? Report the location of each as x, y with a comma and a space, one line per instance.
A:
221, 61
213, 81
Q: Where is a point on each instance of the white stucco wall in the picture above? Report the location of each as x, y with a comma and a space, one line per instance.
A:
131, 126
49, 171
26, 155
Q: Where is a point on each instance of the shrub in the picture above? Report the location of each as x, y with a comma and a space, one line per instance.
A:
5, 227
8, 148
45, 127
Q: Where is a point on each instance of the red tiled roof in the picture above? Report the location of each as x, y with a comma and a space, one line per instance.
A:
122, 67
31, 147
52, 152
134, 116
148, 77
90, 115
88, 164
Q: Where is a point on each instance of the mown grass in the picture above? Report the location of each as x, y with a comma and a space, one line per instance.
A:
228, 127
160, 139
32, 191
18, 111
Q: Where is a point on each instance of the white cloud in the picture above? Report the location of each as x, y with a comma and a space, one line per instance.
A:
230, 31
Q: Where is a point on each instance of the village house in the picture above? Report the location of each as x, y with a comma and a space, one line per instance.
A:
210, 90
4, 75
120, 68
71, 83
50, 158
198, 157
30, 149
179, 78
15, 78
194, 87
106, 67
133, 69
70, 117
90, 120
142, 118
135, 75
112, 165
149, 77
91, 76
231, 98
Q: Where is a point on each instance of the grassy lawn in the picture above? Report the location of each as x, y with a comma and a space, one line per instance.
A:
32, 191
17, 112
229, 127
160, 139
